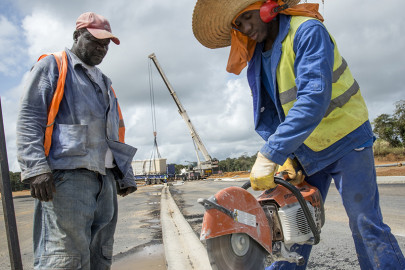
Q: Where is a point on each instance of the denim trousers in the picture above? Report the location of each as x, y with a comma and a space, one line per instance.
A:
76, 229
355, 179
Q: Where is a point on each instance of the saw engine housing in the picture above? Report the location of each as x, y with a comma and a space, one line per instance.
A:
286, 216
275, 220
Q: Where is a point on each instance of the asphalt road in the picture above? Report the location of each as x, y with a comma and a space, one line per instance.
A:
138, 239
336, 249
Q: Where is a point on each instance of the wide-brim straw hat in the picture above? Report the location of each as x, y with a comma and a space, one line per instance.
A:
212, 20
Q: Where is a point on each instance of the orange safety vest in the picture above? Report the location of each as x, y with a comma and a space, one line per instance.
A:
62, 62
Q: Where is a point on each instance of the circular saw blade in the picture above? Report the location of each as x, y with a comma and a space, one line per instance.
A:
235, 252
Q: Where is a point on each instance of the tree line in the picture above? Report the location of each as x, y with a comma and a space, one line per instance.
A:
242, 163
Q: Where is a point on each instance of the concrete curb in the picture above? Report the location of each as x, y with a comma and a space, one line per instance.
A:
390, 180
183, 249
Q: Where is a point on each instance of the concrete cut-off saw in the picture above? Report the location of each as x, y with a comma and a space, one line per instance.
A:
247, 233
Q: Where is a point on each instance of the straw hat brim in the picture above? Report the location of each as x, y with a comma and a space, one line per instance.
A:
212, 20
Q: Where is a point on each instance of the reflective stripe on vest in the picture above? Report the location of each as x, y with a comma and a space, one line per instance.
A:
62, 62
121, 125
346, 111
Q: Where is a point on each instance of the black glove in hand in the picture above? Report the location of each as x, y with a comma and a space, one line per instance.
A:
125, 191
42, 187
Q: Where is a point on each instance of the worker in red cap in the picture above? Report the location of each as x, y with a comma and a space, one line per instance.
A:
309, 110
71, 150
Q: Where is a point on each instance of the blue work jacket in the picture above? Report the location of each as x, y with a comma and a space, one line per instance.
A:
85, 127
313, 66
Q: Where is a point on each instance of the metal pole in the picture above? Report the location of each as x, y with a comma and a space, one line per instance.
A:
8, 205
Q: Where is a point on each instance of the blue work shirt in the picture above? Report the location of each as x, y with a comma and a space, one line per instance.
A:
85, 127
266, 73
313, 66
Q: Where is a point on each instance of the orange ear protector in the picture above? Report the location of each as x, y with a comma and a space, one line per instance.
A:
270, 9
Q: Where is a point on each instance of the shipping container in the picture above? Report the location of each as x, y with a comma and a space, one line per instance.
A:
149, 166
171, 169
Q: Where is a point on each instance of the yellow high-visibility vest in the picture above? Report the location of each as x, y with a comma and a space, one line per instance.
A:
347, 109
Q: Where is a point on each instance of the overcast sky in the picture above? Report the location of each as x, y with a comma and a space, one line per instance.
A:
370, 35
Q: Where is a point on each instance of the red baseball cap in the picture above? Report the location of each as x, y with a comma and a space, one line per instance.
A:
97, 25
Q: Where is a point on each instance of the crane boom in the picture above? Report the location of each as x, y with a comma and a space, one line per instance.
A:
194, 135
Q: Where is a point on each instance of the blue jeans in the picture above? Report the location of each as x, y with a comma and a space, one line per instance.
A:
355, 179
75, 230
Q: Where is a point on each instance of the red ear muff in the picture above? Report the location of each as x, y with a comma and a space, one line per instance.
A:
268, 11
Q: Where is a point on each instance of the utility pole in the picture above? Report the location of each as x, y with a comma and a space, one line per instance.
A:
7, 202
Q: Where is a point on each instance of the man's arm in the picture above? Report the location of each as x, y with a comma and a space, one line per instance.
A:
127, 184
313, 69
32, 118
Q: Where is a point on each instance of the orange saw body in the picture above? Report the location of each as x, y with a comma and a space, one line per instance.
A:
245, 232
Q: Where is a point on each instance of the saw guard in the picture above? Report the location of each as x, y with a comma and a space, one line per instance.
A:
217, 223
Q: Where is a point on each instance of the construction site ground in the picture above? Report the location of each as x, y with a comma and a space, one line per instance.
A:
145, 248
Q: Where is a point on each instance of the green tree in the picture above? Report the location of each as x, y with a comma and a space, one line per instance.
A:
391, 128
242, 163
178, 168
15, 182
386, 127
399, 116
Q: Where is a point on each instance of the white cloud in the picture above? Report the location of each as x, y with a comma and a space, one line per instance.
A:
9, 104
223, 130
46, 33
371, 38
12, 52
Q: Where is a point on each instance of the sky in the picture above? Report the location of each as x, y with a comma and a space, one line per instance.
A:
370, 35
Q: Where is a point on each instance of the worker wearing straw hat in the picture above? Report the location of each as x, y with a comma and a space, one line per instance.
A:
308, 109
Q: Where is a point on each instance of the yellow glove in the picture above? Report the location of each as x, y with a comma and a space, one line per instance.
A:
289, 172
262, 173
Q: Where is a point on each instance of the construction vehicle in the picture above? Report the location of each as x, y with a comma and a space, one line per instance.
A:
204, 167
153, 171
247, 233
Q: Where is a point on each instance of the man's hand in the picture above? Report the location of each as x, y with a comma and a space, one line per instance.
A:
289, 172
124, 192
42, 187
262, 173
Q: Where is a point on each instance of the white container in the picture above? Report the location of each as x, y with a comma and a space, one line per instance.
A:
149, 166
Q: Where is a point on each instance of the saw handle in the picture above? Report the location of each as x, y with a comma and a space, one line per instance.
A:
246, 185
211, 204
301, 200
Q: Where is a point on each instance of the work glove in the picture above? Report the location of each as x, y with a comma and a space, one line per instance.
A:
290, 173
262, 173
42, 187
125, 191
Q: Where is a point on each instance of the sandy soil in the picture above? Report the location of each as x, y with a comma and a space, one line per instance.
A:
398, 170
21, 193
